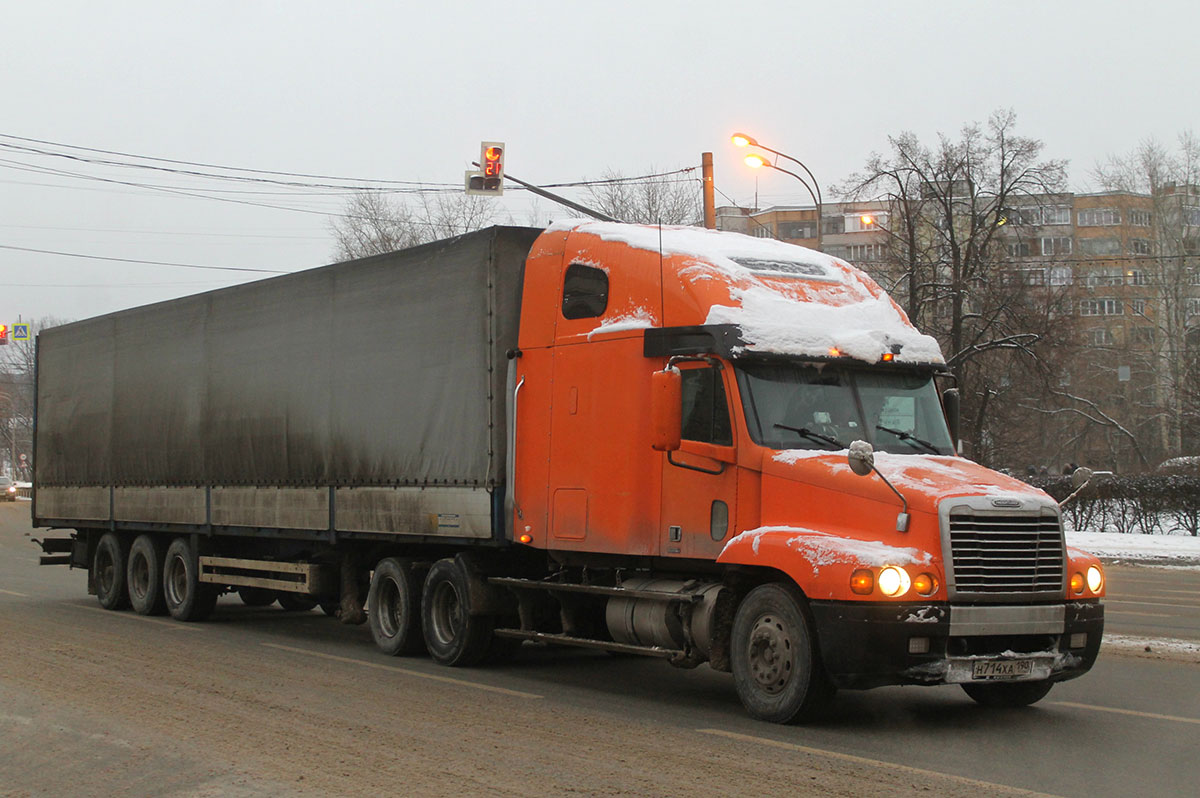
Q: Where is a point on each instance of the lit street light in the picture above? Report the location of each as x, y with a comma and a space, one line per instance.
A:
756, 161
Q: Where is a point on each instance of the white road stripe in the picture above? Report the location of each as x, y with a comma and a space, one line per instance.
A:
990, 787
14, 593
407, 672
1154, 604
133, 616
1151, 715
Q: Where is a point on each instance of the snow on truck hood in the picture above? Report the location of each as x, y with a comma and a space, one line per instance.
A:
785, 299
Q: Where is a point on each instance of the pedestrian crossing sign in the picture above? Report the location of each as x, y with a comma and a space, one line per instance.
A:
20, 332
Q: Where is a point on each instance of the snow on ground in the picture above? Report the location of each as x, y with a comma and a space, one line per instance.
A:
1180, 550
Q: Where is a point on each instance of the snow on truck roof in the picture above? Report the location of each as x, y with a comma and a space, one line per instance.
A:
785, 299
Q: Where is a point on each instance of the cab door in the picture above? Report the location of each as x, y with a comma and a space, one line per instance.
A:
699, 481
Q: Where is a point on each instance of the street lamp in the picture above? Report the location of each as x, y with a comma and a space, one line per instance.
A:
756, 161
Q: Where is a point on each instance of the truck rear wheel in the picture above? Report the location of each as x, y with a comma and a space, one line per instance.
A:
776, 671
144, 576
394, 608
1011, 694
188, 599
453, 635
108, 572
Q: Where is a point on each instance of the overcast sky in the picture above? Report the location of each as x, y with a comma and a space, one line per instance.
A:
406, 91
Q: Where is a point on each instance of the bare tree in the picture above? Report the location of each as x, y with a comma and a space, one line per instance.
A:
660, 199
372, 224
18, 364
1172, 179
947, 251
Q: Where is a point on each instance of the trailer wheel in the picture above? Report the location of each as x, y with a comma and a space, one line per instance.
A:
394, 608
1012, 694
108, 571
453, 635
144, 576
188, 599
776, 670
256, 596
295, 602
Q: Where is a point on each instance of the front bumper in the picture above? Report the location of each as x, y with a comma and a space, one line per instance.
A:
867, 644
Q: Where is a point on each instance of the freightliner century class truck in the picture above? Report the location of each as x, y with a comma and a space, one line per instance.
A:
693, 445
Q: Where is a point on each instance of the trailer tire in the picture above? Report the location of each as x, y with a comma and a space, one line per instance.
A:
109, 572
1010, 695
394, 608
188, 599
453, 635
143, 575
776, 669
295, 602
256, 596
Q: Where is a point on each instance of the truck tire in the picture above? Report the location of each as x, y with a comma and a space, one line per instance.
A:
188, 599
143, 575
256, 596
776, 669
295, 602
453, 635
1011, 694
108, 572
394, 608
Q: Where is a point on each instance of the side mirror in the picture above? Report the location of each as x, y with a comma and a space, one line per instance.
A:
1080, 477
951, 402
666, 409
861, 457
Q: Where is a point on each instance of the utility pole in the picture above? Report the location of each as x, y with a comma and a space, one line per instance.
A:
710, 209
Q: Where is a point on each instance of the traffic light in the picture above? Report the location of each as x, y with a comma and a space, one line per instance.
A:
489, 180
3, 335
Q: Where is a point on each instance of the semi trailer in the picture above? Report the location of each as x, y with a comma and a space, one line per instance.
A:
694, 445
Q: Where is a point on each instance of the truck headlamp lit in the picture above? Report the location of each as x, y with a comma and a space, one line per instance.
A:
862, 582
894, 581
1095, 579
925, 584
1076, 583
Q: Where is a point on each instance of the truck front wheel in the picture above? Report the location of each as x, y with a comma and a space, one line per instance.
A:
394, 608
108, 572
188, 599
144, 575
1012, 694
452, 634
776, 671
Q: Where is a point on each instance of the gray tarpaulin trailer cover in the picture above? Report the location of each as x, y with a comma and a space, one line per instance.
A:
363, 396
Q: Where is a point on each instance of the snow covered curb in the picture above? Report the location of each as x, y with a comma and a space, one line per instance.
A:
1173, 550
1168, 648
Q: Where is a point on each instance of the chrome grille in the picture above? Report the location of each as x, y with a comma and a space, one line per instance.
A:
1006, 553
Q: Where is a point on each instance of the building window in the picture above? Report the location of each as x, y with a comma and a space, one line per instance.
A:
1100, 246
1104, 277
1139, 246
1193, 307
585, 292
1100, 337
864, 253
762, 230
1034, 276
1019, 249
1193, 277
1060, 275
1191, 215
833, 225
1137, 306
1139, 217
789, 230
1099, 217
1137, 277
1101, 307
1143, 335
1056, 245
1056, 214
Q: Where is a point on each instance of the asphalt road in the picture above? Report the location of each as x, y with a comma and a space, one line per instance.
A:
262, 702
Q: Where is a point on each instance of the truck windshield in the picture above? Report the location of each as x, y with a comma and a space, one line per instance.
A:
801, 406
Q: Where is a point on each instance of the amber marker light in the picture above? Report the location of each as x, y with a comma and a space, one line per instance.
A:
862, 582
1076, 583
835, 352
925, 584
888, 357
526, 538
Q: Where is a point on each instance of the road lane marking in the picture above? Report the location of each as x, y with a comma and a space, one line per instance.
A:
1154, 604
991, 787
406, 671
1143, 614
1160, 598
133, 616
14, 593
1151, 715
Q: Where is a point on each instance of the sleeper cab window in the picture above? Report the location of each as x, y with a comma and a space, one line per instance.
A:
585, 292
705, 411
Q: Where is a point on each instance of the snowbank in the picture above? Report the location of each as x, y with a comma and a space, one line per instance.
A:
1149, 549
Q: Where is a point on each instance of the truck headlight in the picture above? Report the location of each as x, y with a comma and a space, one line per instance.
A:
1095, 579
894, 581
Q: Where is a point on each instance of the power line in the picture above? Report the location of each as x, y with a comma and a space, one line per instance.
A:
148, 262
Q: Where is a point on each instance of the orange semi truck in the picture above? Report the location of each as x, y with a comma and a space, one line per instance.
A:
693, 445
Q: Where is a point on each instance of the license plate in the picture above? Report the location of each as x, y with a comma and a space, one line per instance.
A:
1002, 669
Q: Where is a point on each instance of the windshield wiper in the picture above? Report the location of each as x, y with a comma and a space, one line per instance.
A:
910, 439
804, 432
